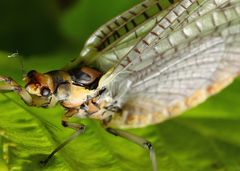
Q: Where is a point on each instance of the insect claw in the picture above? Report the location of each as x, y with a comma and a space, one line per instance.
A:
43, 163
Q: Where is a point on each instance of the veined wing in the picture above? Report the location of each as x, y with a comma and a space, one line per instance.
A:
179, 70
113, 40
186, 11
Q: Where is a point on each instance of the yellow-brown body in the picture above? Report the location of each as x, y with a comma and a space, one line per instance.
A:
72, 89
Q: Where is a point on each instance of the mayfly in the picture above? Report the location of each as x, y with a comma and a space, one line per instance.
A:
145, 66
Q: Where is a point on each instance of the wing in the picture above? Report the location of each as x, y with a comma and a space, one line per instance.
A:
107, 45
173, 72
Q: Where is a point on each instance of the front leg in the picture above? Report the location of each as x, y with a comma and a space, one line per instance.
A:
78, 127
10, 85
137, 140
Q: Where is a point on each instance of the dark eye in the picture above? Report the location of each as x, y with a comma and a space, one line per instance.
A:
45, 91
31, 73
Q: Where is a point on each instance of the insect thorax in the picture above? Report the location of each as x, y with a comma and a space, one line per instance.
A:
77, 89
72, 87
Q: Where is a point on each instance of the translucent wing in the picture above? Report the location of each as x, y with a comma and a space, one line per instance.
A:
165, 74
115, 39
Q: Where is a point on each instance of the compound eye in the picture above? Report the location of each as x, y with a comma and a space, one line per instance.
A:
45, 91
31, 73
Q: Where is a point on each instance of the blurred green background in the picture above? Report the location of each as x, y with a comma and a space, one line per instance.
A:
44, 31
48, 34
34, 27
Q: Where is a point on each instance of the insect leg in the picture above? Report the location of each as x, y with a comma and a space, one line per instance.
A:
79, 130
137, 140
10, 85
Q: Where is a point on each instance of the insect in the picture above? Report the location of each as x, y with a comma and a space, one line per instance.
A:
143, 67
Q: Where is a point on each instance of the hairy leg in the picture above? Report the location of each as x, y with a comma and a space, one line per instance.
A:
79, 130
